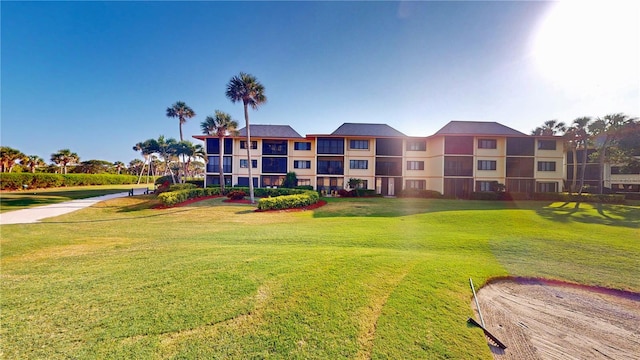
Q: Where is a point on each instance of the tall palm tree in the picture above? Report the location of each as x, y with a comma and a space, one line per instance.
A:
246, 88
167, 151
550, 128
189, 151
65, 157
34, 161
580, 137
605, 131
222, 125
146, 148
181, 111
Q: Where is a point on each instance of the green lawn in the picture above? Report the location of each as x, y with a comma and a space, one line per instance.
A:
357, 278
16, 200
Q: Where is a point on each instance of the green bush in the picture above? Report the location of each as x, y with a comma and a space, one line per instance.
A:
171, 198
416, 193
289, 201
487, 195
236, 195
176, 187
16, 181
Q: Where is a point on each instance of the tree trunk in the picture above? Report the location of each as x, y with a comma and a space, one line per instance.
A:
246, 120
574, 179
584, 167
221, 159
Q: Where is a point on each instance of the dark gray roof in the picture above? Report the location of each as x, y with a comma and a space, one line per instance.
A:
477, 128
271, 131
377, 130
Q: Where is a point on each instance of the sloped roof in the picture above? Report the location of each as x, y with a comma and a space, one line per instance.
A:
373, 130
271, 131
477, 128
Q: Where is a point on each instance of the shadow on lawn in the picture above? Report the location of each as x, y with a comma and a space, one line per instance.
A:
614, 215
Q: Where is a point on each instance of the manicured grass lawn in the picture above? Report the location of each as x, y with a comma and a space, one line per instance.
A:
357, 278
16, 200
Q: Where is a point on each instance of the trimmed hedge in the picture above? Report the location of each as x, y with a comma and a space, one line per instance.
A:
171, 198
15, 181
416, 193
289, 201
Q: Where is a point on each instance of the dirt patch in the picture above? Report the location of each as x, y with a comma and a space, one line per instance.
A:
538, 319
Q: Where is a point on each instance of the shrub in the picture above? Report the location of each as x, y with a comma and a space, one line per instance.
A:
419, 193
171, 198
16, 181
288, 201
176, 187
236, 195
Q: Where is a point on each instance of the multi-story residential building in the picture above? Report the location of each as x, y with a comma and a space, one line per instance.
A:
460, 158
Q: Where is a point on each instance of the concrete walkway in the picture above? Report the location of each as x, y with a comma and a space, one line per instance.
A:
35, 214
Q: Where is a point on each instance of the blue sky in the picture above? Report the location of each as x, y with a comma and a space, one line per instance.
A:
97, 77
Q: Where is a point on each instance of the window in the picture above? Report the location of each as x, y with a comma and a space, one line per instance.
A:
546, 144
520, 167
546, 166
416, 184
243, 144
213, 164
415, 165
213, 146
388, 166
520, 146
304, 182
358, 164
302, 164
272, 180
330, 146
274, 165
389, 147
302, 145
244, 164
330, 166
417, 145
487, 144
359, 144
274, 147
485, 185
548, 187
462, 145
458, 166
486, 164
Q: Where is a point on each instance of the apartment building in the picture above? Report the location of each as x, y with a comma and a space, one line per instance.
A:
462, 157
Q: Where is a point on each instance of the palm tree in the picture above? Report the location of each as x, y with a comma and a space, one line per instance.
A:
246, 88
580, 137
147, 148
8, 157
550, 128
181, 111
167, 151
118, 165
222, 125
605, 131
190, 151
65, 157
34, 161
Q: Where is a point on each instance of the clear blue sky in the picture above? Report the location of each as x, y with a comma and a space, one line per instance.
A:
97, 77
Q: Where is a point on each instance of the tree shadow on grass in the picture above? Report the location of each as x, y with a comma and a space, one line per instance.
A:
605, 214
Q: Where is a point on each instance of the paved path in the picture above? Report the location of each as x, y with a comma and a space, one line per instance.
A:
35, 214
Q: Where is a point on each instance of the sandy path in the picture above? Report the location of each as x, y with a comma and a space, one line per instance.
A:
538, 320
